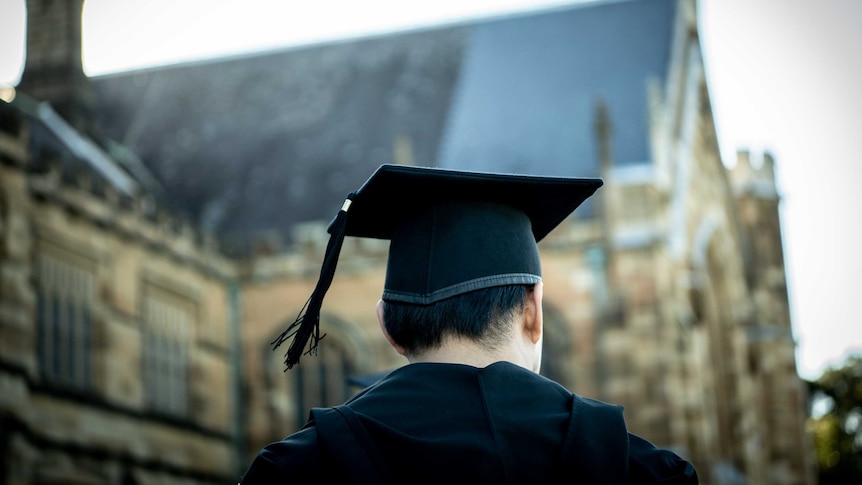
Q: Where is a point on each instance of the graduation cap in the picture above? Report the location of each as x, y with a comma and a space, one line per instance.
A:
450, 232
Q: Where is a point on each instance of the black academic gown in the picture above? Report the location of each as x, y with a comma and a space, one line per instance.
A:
450, 423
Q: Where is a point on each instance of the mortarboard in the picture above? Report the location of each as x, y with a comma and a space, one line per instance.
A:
450, 232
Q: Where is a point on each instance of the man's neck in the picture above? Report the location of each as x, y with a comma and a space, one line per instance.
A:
464, 351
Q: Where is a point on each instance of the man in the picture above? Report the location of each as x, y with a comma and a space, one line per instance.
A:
462, 302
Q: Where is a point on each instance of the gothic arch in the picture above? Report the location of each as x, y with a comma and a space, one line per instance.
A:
718, 308
350, 338
318, 380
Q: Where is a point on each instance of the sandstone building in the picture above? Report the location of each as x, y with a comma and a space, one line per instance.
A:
158, 229
116, 356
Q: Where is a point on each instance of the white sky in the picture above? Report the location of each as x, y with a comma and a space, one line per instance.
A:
784, 75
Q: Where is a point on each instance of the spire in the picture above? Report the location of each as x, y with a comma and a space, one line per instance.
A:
604, 133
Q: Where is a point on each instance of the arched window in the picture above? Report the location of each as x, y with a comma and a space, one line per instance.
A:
317, 381
322, 380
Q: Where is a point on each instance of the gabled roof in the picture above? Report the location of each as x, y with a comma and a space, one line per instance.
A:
530, 85
249, 146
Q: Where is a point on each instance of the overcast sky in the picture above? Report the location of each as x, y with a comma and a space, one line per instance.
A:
784, 75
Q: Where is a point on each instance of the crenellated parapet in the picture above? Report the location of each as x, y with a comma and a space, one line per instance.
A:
138, 218
754, 175
78, 176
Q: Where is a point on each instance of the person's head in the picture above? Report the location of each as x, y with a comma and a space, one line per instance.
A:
484, 316
503, 321
463, 256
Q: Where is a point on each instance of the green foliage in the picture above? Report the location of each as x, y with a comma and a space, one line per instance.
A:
836, 422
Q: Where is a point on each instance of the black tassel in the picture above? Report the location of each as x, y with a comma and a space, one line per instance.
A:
307, 323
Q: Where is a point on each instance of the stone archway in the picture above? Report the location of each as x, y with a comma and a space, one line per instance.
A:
719, 307
318, 380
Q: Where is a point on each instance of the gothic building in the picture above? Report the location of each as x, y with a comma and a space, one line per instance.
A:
116, 317
158, 229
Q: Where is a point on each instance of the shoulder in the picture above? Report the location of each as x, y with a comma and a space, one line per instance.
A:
649, 464
296, 457
604, 442
508, 376
597, 418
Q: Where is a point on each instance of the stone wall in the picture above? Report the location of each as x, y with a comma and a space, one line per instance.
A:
771, 354
100, 426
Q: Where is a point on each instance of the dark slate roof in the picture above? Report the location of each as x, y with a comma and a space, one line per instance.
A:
528, 92
249, 146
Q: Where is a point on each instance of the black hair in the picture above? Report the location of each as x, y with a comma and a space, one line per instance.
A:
483, 316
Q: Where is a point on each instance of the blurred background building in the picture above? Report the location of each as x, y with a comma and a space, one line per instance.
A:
159, 228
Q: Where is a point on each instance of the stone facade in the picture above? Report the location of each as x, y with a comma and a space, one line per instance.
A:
105, 304
133, 351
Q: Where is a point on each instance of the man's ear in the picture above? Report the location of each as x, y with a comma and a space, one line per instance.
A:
389, 339
533, 313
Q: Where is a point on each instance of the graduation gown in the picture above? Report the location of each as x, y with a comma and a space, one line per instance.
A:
452, 423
